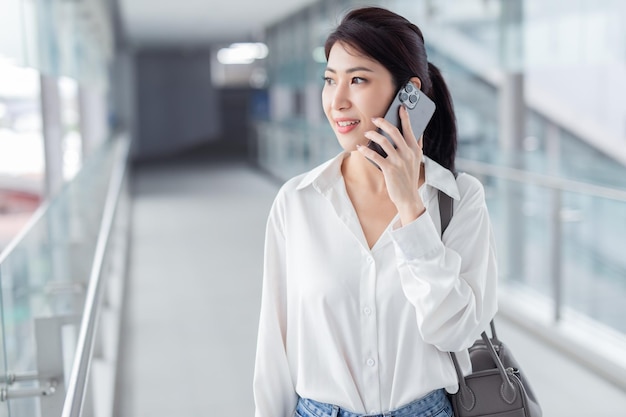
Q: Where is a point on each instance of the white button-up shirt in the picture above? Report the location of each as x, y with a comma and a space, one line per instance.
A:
369, 329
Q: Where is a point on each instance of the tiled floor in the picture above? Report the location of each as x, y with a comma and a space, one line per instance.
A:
192, 301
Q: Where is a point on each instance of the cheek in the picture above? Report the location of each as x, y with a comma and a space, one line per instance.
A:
378, 107
379, 102
381, 108
325, 102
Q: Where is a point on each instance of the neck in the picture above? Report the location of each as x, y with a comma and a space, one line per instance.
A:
361, 172
358, 170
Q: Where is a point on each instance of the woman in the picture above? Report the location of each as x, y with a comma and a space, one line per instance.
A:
363, 299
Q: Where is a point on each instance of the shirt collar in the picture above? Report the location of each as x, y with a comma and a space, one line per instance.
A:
326, 175
440, 178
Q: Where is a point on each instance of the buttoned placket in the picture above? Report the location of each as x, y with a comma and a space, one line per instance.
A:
339, 199
369, 334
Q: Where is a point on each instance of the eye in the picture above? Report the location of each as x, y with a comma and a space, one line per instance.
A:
358, 80
328, 81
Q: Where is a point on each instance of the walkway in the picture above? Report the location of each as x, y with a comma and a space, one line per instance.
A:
193, 297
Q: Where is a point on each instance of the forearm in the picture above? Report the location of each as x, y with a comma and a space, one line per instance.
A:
411, 211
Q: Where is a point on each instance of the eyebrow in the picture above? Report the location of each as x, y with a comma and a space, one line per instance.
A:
351, 70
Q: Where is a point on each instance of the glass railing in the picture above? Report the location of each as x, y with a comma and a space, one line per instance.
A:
561, 265
46, 276
561, 239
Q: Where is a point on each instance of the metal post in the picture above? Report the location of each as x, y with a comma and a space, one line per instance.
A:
53, 349
52, 133
553, 149
556, 252
50, 359
93, 118
512, 103
512, 128
512, 116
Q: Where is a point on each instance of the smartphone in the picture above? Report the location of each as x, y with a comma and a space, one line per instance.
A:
420, 109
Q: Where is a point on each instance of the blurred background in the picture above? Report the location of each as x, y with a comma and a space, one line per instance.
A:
141, 145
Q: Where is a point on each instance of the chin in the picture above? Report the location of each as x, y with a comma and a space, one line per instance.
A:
350, 146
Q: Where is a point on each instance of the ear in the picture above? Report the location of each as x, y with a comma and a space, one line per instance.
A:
417, 82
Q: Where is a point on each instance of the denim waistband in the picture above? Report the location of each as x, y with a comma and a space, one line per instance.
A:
428, 405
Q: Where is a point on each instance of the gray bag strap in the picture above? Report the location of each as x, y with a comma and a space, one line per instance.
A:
445, 213
507, 389
445, 209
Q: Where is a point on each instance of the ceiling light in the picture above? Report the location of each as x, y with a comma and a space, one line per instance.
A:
242, 53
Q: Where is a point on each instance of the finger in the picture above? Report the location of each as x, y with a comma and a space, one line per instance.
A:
372, 155
391, 130
407, 129
381, 140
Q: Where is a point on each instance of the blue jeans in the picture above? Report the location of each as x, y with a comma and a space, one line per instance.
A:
435, 404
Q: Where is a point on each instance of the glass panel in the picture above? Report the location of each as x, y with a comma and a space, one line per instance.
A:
594, 267
46, 274
21, 149
65, 39
11, 41
589, 251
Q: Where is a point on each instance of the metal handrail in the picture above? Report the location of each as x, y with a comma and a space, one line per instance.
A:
541, 180
74, 399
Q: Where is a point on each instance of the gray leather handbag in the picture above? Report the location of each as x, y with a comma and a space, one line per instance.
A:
496, 387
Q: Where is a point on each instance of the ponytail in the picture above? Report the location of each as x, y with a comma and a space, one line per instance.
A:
440, 135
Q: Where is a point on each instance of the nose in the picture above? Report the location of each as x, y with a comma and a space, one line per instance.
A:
341, 97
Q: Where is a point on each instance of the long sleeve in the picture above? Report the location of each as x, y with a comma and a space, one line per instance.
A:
274, 391
451, 283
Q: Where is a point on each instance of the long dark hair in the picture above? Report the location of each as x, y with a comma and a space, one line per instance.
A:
399, 46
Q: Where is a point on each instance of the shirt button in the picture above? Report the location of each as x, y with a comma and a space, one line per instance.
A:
371, 362
367, 311
370, 260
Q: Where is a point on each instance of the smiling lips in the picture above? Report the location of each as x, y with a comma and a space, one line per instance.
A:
346, 125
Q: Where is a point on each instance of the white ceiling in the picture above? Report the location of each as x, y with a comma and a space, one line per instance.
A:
199, 22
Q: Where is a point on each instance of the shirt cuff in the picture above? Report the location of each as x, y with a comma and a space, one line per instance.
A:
418, 238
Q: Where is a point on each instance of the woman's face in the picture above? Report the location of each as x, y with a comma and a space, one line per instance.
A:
356, 88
